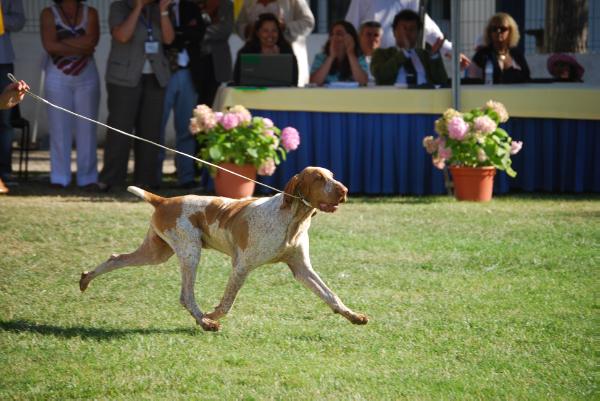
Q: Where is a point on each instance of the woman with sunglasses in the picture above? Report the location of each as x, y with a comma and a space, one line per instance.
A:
500, 39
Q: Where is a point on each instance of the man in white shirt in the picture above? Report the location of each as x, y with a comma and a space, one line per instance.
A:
383, 11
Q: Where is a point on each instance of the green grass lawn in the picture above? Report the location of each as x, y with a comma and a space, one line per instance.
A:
466, 301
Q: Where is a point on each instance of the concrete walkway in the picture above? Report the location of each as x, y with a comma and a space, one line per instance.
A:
39, 163
38, 182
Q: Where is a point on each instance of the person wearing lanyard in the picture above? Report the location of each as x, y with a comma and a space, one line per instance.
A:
137, 73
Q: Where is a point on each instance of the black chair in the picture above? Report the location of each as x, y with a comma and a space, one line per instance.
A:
18, 122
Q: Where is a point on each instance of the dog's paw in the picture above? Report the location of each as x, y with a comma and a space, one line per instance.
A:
84, 281
214, 315
209, 324
359, 318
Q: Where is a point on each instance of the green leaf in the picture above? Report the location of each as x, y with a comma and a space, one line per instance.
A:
252, 152
215, 152
501, 133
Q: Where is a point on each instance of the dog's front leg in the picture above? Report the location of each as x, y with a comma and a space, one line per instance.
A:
237, 277
189, 257
304, 273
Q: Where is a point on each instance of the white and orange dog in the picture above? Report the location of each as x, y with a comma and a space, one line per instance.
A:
253, 232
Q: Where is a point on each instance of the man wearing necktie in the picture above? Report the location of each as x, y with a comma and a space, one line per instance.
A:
404, 64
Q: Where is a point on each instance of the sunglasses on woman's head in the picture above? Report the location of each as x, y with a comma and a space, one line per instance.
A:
499, 29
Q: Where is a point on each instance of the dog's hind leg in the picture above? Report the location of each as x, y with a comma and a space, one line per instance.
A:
152, 251
189, 257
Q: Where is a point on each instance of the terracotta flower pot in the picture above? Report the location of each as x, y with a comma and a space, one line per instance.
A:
473, 183
232, 186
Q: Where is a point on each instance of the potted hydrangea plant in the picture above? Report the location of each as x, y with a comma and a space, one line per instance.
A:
239, 142
473, 145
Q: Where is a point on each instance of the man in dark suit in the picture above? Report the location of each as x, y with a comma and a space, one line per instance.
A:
183, 88
405, 64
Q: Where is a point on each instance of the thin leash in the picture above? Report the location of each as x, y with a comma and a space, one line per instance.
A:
41, 99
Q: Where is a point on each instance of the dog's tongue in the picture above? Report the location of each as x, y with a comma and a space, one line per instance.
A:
326, 207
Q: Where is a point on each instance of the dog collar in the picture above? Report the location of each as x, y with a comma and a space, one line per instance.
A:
306, 203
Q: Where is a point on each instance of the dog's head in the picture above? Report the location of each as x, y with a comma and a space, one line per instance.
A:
317, 186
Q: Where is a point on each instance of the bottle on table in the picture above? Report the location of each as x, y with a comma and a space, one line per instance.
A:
488, 75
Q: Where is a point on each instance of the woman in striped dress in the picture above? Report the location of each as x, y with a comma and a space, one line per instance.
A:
70, 33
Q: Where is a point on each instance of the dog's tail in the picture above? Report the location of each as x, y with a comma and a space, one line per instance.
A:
149, 197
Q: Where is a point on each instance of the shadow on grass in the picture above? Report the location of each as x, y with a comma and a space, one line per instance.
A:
94, 333
38, 185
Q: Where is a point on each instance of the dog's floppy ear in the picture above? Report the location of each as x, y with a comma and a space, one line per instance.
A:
290, 188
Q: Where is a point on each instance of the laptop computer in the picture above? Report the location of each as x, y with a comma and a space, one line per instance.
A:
267, 70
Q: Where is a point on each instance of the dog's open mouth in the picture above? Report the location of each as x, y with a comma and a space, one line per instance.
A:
328, 207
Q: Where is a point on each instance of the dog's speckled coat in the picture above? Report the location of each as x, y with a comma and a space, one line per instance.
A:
253, 232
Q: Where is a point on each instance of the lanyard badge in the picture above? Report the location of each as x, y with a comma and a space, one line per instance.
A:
151, 45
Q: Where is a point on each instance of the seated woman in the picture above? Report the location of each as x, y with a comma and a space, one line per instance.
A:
267, 38
565, 68
341, 59
500, 39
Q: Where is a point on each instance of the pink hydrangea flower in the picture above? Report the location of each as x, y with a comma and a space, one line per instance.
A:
444, 152
499, 109
457, 128
202, 108
267, 122
194, 127
430, 144
515, 147
205, 118
290, 138
439, 162
244, 119
218, 116
481, 156
244, 116
230, 121
484, 124
267, 168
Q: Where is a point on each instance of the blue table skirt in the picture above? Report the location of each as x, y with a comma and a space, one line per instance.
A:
383, 153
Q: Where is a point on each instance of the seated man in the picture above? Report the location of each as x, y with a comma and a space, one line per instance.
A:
369, 36
405, 64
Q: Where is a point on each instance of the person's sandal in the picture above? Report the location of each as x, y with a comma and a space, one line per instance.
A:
3, 188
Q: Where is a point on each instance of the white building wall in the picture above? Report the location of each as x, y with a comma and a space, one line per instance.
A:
474, 15
29, 52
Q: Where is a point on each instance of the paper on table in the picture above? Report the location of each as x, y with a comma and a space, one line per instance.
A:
343, 84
